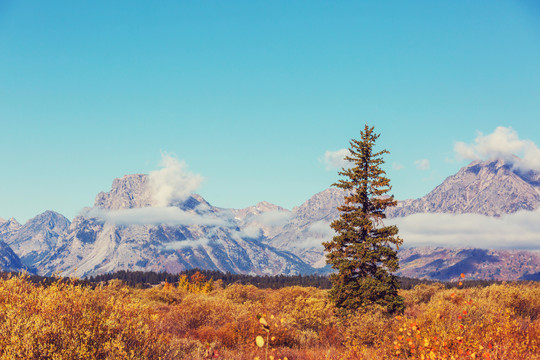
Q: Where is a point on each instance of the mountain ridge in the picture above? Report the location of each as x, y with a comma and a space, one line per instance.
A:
491, 188
122, 230
95, 243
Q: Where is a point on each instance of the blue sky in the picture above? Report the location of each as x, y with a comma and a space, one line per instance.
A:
251, 94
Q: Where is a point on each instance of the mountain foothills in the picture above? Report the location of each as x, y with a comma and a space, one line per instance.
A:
126, 230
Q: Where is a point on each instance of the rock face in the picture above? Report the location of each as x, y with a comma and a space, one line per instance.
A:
308, 227
491, 188
9, 261
8, 228
38, 237
209, 239
127, 193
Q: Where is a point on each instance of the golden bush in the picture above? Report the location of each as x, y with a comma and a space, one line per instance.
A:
67, 321
197, 320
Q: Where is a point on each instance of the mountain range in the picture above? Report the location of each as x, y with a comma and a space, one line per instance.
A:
491, 188
126, 230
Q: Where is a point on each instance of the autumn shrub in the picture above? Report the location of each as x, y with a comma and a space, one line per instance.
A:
304, 309
241, 294
166, 293
209, 318
522, 298
66, 321
467, 323
306, 315
421, 294
195, 320
367, 327
188, 348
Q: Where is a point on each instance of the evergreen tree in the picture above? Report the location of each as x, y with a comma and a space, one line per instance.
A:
363, 251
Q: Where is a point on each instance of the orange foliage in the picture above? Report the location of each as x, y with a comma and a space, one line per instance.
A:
195, 320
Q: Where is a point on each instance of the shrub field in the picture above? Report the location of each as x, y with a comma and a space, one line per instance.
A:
198, 319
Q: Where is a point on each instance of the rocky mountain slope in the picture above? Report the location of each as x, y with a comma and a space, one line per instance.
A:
263, 219
9, 261
38, 237
8, 228
491, 188
308, 227
124, 232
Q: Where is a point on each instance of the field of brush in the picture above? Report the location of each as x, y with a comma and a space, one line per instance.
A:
198, 319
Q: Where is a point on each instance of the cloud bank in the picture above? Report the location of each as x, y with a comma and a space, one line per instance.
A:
173, 182
318, 232
251, 232
503, 143
155, 216
520, 230
272, 218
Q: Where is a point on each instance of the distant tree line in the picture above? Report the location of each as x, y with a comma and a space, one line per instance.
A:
43, 280
146, 279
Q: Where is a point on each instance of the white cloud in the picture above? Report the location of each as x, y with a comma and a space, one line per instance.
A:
311, 242
173, 182
317, 233
520, 230
323, 228
154, 216
503, 143
422, 164
335, 159
251, 232
272, 218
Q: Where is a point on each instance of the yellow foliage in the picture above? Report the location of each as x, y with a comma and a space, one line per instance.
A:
196, 321
67, 321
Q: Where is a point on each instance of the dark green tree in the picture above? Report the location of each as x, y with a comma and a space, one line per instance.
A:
364, 251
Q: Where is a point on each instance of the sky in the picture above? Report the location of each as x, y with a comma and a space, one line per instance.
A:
257, 99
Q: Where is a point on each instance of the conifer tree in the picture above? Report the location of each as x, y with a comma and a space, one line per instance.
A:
364, 251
